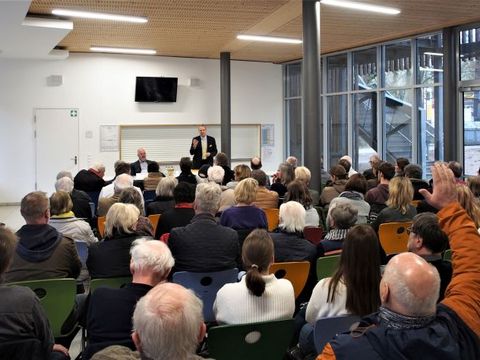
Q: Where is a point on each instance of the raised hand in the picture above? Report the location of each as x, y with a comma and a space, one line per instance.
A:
194, 143
444, 191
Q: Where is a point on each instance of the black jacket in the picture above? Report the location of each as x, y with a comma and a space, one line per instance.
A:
136, 168
197, 152
88, 181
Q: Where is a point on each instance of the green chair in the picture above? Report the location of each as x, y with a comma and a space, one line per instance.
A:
57, 297
447, 255
116, 282
257, 341
326, 266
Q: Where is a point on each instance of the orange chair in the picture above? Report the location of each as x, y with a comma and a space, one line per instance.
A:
272, 218
154, 221
394, 236
295, 272
101, 225
313, 234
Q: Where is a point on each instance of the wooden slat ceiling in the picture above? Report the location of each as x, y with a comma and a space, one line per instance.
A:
204, 28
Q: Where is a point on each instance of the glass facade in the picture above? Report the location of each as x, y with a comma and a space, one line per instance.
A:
293, 109
469, 41
386, 99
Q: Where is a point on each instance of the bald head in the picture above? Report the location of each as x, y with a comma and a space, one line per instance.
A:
410, 286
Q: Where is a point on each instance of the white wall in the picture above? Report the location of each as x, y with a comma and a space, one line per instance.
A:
102, 87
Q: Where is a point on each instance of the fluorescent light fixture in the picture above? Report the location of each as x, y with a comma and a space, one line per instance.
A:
99, 16
431, 69
269, 39
361, 6
123, 50
432, 53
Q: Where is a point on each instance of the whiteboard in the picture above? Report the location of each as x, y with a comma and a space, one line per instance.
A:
168, 143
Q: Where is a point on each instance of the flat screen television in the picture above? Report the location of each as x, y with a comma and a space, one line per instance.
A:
156, 89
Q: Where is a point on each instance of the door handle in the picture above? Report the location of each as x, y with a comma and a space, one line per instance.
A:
74, 159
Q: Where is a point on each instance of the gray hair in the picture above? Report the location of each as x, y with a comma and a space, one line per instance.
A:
99, 166
207, 197
167, 321
64, 173
153, 255
165, 186
122, 181
64, 184
344, 216
292, 216
216, 173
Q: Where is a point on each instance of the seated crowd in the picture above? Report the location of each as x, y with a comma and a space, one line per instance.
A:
407, 304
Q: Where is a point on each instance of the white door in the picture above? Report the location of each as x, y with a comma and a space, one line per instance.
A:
56, 148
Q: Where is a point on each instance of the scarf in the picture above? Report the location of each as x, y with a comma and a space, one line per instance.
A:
336, 234
393, 320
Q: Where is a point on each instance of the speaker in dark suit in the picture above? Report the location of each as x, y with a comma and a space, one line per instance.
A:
201, 156
136, 167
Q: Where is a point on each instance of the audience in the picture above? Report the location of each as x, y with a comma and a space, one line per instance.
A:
121, 167
241, 171
222, 160
111, 257
339, 180
164, 199
303, 174
90, 180
298, 191
204, 245
121, 182
150, 182
457, 170
350, 290
264, 199
415, 173
473, 183
349, 168
400, 165
377, 196
469, 203
130, 196
109, 319
41, 252
168, 324
216, 174
374, 161
80, 199
182, 213
292, 161
63, 219
428, 241
284, 176
259, 296
355, 190
23, 318
399, 204
341, 218
186, 174
409, 324
244, 215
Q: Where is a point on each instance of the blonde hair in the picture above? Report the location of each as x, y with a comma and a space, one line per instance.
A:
121, 217
242, 171
469, 203
303, 174
246, 191
400, 193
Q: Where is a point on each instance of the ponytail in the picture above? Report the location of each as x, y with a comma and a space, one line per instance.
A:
254, 280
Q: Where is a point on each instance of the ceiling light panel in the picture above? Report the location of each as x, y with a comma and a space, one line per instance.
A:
99, 16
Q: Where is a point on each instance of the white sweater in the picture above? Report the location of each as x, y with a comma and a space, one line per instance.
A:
319, 308
235, 304
75, 228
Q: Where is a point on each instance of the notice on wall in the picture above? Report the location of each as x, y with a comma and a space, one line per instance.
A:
109, 138
267, 141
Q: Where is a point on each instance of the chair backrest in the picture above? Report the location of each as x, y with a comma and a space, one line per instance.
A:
295, 272
393, 236
154, 218
101, 225
206, 286
272, 218
94, 197
447, 255
326, 266
257, 341
149, 195
325, 329
57, 297
82, 250
313, 234
115, 282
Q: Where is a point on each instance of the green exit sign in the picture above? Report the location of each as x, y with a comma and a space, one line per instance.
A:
73, 113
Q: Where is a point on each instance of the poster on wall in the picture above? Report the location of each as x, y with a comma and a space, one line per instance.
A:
267, 141
109, 138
